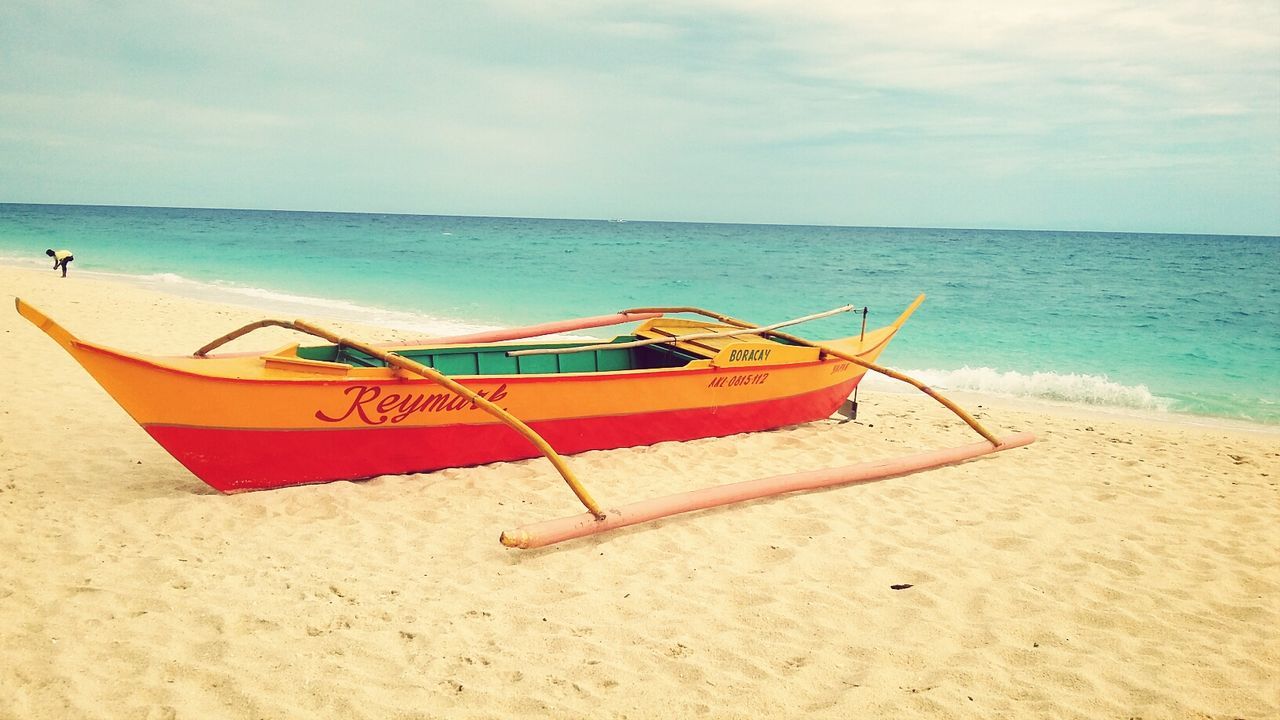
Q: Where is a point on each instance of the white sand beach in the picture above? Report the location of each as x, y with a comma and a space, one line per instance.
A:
1119, 567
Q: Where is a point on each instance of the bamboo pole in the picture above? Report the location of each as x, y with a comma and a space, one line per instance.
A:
487, 336
677, 338
437, 377
528, 331
959, 412
404, 363
241, 332
595, 520
553, 531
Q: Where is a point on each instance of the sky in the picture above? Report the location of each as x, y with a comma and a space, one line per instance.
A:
1160, 116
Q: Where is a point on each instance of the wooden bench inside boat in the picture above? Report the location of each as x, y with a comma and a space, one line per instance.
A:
666, 327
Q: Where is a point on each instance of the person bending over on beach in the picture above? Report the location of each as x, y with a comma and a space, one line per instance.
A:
60, 259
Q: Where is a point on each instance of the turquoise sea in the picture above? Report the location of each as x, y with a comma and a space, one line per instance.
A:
1165, 323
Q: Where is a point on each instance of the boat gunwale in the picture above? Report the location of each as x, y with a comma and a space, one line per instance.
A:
391, 376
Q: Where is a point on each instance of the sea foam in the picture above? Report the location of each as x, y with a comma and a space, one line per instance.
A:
295, 305
1076, 388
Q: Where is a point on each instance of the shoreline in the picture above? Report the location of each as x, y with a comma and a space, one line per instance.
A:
266, 301
405, 325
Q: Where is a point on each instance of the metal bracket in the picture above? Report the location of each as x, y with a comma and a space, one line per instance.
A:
848, 410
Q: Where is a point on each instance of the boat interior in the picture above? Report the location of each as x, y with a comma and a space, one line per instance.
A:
496, 360
493, 360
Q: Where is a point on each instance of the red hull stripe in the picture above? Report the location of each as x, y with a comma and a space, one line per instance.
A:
241, 459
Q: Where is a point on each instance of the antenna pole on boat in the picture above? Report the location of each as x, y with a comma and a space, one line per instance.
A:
862, 337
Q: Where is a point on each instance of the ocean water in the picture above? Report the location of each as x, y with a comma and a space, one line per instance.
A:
1165, 323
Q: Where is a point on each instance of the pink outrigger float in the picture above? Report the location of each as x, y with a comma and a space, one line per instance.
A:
350, 410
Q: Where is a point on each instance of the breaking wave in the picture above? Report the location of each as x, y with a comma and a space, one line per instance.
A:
294, 304
1082, 389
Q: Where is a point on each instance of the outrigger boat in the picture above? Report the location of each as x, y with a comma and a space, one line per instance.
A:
348, 410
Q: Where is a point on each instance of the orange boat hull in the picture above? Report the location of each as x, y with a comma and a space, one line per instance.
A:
252, 422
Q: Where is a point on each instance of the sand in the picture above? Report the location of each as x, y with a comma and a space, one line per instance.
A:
1119, 567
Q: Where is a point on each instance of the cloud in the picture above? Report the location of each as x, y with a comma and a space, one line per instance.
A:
728, 110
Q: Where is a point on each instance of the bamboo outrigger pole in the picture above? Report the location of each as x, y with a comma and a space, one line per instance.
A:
404, 363
549, 532
959, 411
240, 332
677, 338
595, 520
515, 423
553, 531
484, 336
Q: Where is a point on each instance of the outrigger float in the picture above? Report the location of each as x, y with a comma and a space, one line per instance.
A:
347, 410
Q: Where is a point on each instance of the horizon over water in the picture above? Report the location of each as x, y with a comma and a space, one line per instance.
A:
1130, 321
